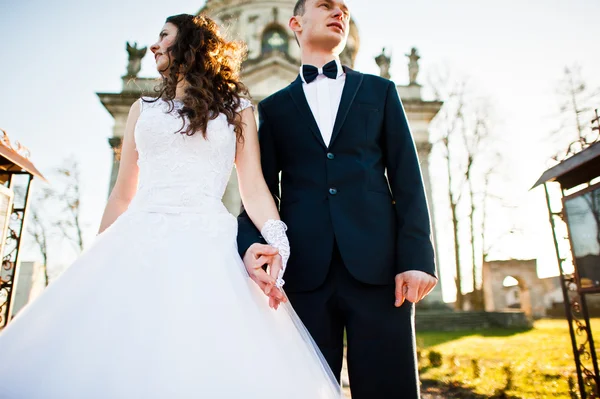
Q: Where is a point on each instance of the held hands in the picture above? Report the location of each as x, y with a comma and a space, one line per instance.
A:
255, 258
413, 285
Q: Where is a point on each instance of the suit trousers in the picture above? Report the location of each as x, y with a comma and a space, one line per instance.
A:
381, 349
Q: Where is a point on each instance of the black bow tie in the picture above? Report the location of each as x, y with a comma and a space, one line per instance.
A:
310, 72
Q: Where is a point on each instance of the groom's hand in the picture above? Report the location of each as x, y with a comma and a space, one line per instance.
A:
413, 285
257, 256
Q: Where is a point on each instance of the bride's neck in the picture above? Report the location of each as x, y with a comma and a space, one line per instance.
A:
180, 89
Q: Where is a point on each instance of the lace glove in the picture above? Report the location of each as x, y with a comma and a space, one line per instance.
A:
274, 234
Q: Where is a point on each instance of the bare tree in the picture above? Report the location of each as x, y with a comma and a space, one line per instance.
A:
472, 160
449, 122
485, 247
593, 204
474, 141
68, 199
454, 196
576, 106
487, 196
39, 231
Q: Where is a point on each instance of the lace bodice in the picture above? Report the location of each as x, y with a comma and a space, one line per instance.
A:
180, 173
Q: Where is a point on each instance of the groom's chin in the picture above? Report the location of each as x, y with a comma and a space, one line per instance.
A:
333, 41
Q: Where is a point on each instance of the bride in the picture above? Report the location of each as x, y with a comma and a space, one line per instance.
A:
161, 306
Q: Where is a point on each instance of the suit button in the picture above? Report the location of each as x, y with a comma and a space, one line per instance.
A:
332, 191
330, 156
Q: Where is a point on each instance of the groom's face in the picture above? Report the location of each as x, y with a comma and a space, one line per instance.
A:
325, 25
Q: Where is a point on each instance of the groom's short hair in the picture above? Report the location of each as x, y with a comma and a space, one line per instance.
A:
300, 7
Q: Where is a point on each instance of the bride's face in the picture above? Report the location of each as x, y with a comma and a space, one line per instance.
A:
162, 55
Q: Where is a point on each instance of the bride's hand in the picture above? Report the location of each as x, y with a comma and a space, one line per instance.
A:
276, 296
255, 258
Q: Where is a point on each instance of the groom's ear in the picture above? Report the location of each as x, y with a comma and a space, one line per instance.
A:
296, 26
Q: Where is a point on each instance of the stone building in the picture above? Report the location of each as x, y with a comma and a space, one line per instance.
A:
272, 63
532, 295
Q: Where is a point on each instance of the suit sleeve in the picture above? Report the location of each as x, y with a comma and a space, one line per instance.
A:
414, 247
248, 234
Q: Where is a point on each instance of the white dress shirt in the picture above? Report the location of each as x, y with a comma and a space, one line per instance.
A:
324, 95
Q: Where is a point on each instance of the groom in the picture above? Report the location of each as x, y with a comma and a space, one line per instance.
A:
352, 196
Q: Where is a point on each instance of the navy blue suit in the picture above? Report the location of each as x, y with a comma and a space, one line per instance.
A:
351, 227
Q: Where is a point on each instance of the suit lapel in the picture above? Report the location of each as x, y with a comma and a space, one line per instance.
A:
297, 93
353, 82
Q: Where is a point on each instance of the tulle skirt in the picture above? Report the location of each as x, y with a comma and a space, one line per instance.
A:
160, 307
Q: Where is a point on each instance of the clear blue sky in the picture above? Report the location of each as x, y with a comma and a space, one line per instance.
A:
57, 54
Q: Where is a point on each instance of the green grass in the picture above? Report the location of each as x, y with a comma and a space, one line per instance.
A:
541, 360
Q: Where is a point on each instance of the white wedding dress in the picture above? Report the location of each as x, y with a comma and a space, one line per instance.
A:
161, 306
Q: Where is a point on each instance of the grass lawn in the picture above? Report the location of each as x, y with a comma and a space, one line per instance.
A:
540, 361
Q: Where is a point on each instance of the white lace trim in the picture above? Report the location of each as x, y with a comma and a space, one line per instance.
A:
274, 234
244, 103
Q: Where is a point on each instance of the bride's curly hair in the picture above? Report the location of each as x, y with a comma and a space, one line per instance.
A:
211, 65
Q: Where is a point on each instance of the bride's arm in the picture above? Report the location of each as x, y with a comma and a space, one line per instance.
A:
126, 184
256, 197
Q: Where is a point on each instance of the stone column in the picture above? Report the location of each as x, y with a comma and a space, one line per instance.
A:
115, 144
423, 151
420, 113
118, 105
